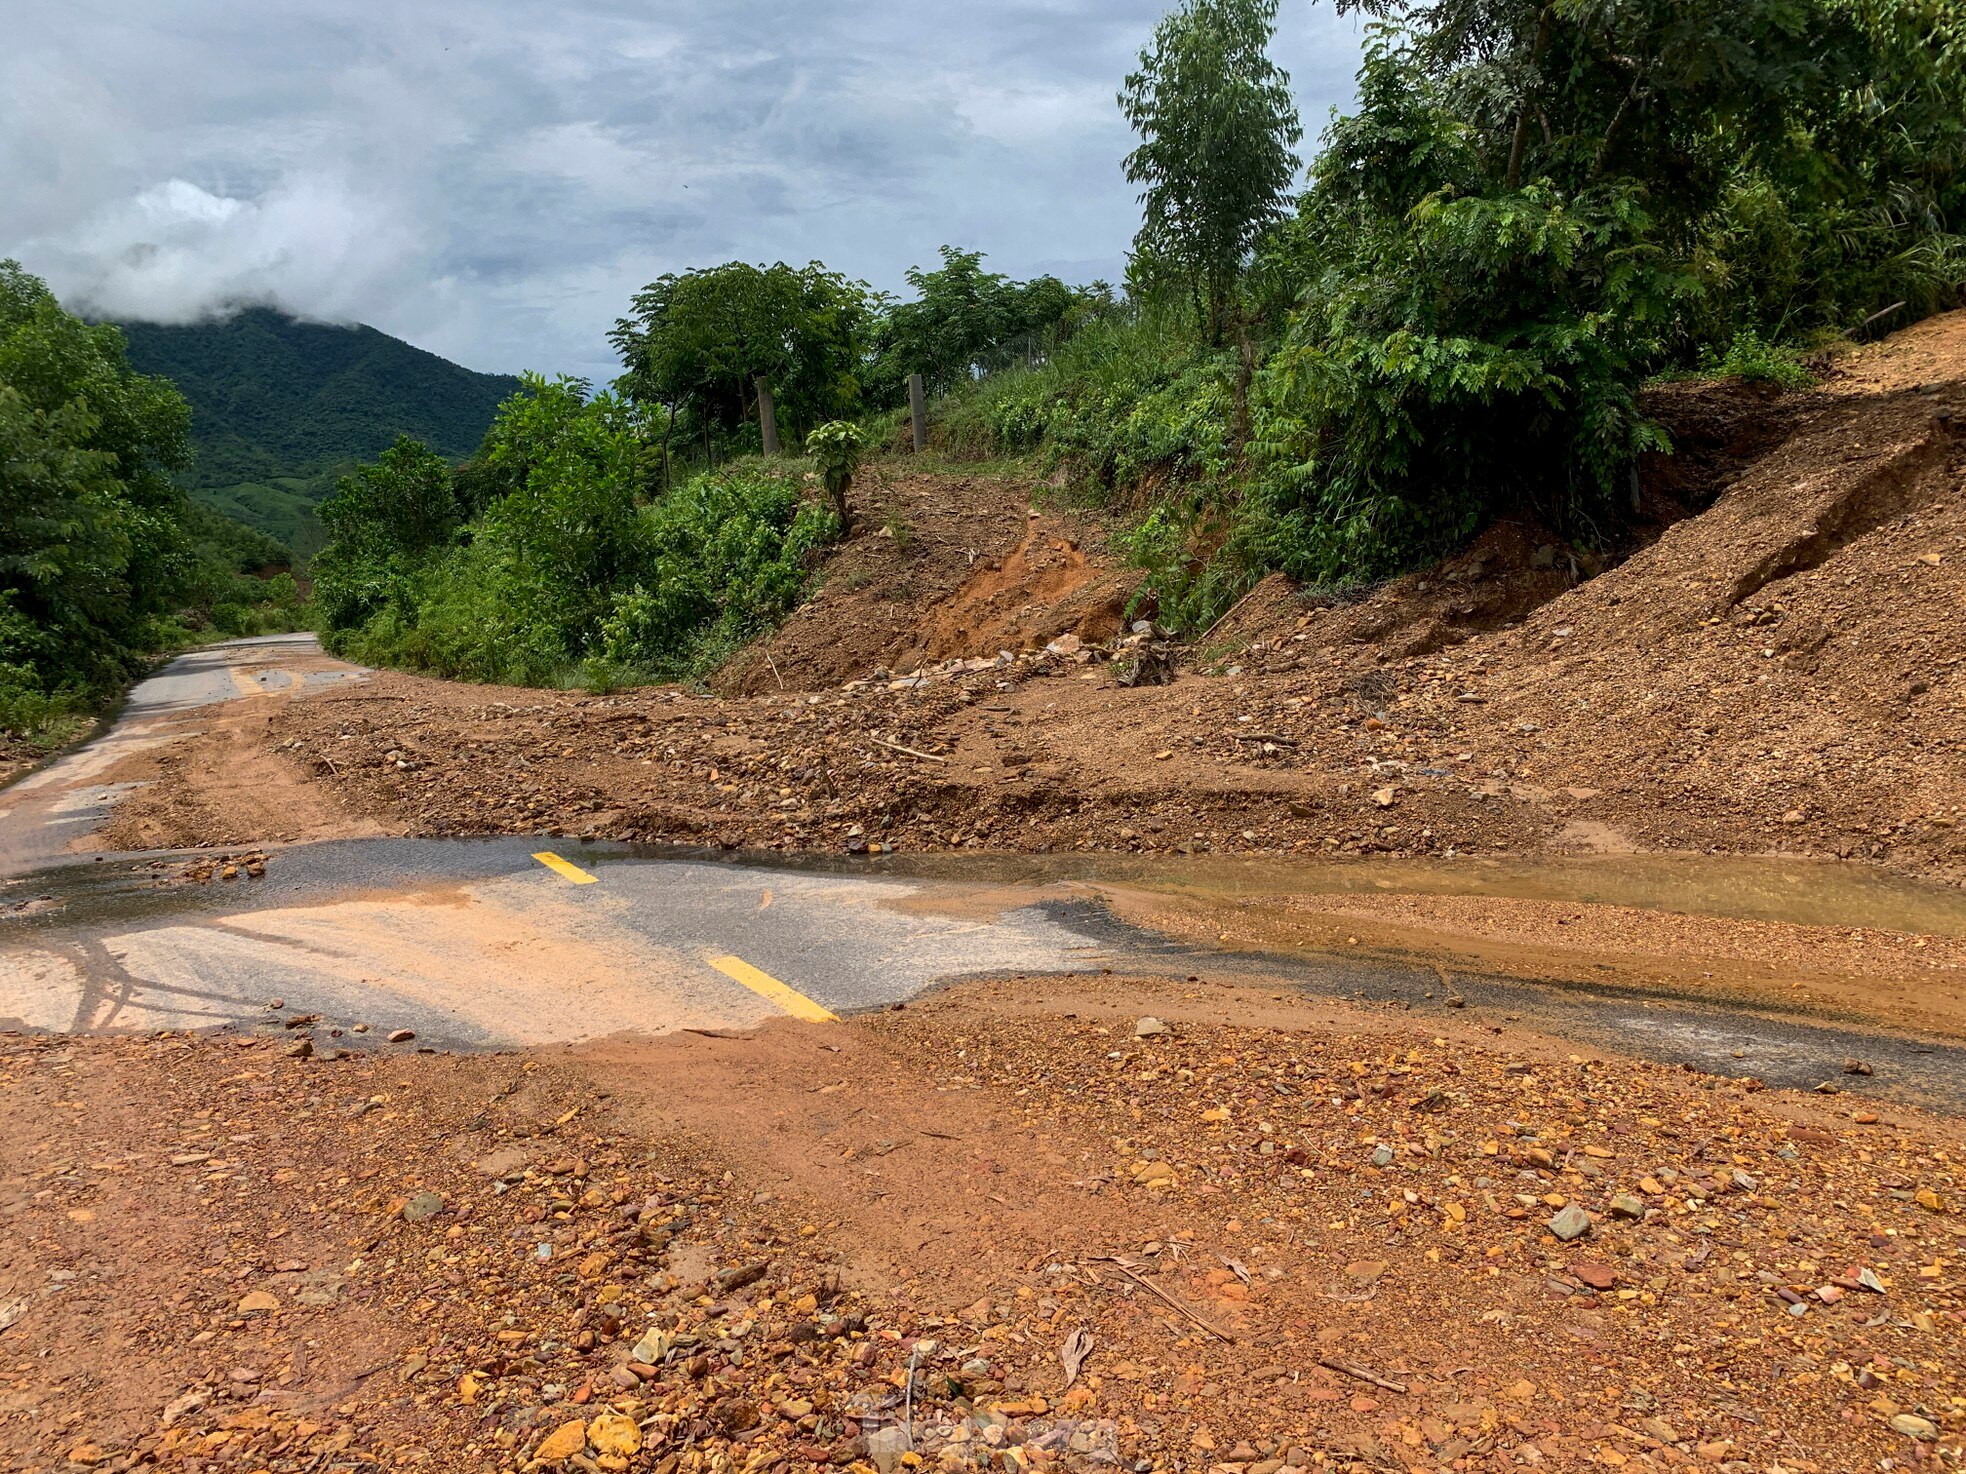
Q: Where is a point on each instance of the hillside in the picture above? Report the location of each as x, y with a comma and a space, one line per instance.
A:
279, 405
1776, 670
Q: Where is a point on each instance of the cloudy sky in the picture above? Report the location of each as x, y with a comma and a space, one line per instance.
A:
491, 179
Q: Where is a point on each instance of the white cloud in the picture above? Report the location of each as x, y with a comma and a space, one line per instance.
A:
177, 252
492, 180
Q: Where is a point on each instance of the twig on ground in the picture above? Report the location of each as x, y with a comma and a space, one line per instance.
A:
1147, 1284
927, 757
1364, 1374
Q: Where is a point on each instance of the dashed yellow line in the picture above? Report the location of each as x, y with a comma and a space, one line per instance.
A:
565, 868
768, 987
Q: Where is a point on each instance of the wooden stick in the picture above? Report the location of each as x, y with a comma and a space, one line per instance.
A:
1223, 618
927, 757
1147, 1284
1364, 1374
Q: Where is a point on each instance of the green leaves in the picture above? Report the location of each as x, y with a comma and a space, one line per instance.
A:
965, 320
1474, 353
697, 343
731, 553
836, 446
574, 565
92, 546
1217, 128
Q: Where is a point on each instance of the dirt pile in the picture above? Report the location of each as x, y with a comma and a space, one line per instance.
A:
1243, 1233
1780, 672
942, 567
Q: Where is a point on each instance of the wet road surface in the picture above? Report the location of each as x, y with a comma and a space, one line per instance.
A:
520, 942
46, 814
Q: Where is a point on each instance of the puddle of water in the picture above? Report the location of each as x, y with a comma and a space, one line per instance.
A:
1801, 892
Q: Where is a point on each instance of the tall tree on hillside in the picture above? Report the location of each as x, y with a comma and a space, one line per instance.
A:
91, 537
696, 343
1218, 133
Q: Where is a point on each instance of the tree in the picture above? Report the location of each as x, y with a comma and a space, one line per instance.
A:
1216, 158
92, 544
381, 520
836, 446
696, 344
1667, 93
965, 319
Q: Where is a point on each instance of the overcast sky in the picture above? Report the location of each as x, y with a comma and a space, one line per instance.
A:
491, 179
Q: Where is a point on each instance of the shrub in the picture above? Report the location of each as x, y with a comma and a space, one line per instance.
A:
730, 554
836, 447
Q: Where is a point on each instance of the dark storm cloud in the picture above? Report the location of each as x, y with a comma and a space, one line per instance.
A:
492, 180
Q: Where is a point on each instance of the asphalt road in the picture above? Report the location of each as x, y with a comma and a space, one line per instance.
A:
46, 815
517, 942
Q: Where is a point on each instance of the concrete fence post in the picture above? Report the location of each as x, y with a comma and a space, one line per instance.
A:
767, 418
917, 413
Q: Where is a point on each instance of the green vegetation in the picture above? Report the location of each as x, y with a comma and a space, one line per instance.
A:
555, 557
1217, 129
1532, 210
280, 407
835, 447
965, 322
102, 560
697, 344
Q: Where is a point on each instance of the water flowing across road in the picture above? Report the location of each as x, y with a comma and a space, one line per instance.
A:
525, 942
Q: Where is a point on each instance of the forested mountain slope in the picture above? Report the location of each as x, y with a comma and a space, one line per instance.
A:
279, 405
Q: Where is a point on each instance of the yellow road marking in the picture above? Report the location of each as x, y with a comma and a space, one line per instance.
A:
565, 867
768, 987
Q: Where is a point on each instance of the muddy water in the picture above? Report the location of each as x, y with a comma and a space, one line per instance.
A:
1656, 980
1668, 994
1796, 892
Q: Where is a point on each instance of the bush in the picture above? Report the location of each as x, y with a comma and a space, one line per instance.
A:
730, 553
835, 448
575, 569
1527, 214
1129, 400
1751, 359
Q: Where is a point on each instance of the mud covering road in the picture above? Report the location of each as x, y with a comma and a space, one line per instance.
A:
477, 944
500, 943
57, 809
524, 1154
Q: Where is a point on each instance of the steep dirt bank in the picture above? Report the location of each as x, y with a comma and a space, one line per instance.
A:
945, 566
1259, 1233
1777, 673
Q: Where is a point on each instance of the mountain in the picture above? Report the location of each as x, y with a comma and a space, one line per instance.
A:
280, 407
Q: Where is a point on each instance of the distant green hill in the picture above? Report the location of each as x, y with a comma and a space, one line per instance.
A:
280, 407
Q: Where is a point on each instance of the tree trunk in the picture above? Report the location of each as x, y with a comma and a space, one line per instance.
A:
1245, 372
1519, 147
668, 431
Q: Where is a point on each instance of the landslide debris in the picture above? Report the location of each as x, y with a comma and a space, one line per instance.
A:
1242, 1241
945, 566
1780, 672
